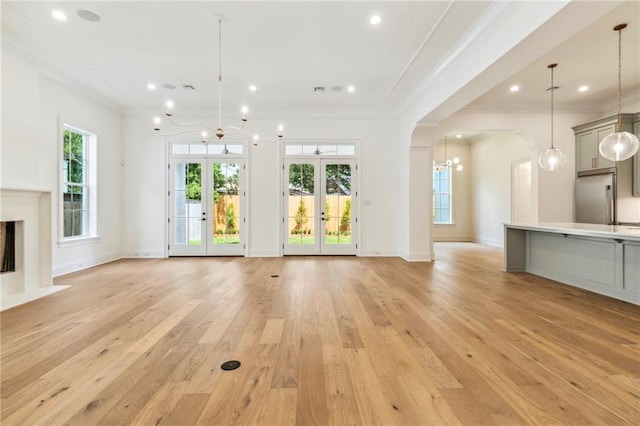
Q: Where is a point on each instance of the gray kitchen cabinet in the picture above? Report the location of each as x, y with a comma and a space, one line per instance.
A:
636, 159
588, 137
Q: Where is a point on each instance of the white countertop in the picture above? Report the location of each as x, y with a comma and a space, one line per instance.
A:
622, 232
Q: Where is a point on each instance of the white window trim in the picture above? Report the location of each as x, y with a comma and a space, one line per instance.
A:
452, 221
91, 171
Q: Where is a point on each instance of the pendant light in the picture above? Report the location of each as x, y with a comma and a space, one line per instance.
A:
619, 146
553, 158
455, 162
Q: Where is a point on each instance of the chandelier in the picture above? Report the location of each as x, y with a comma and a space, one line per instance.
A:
208, 133
440, 166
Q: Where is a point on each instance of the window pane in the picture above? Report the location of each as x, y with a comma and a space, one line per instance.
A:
309, 149
215, 149
443, 187
301, 204
234, 149
74, 157
73, 213
346, 150
197, 149
293, 150
180, 149
195, 231
328, 149
180, 230
301, 179
226, 203
442, 196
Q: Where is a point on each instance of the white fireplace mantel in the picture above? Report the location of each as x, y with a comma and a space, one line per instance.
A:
33, 278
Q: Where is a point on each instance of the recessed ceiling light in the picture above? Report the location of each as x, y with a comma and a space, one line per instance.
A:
59, 15
351, 89
375, 20
88, 15
151, 86
514, 88
458, 136
583, 88
253, 88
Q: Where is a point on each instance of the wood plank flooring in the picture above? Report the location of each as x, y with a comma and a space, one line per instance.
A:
322, 341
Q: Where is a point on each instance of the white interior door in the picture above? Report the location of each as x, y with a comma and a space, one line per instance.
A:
521, 206
206, 207
320, 206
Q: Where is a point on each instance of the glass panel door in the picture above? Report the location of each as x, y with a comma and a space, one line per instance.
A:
337, 207
318, 207
207, 207
301, 205
227, 224
188, 216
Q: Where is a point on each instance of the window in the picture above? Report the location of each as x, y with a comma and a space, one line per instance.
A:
186, 148
78, 184
345, 149
442, 196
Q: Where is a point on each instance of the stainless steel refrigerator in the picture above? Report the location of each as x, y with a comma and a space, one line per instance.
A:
596, 199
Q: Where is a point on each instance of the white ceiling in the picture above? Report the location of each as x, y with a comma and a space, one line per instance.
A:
287, 48
589, 58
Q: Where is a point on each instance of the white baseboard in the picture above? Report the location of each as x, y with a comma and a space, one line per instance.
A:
489, 242
263, 253
379, 253
417, 257
453, 239
11, 301
144, 254
81, 264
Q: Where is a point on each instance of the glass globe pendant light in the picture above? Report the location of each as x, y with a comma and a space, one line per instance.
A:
619, 146
553, 158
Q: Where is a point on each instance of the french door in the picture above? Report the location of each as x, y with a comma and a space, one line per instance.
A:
206, 199
320, 206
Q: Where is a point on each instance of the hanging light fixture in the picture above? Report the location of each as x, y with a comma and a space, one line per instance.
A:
553, 158
455, 162
207, 133
619, 146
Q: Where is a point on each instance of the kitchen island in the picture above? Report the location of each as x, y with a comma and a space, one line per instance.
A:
604, 259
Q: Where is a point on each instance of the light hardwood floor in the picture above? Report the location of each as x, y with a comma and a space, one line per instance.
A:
322, 340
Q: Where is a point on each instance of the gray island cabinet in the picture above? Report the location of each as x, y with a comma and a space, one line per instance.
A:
604, 259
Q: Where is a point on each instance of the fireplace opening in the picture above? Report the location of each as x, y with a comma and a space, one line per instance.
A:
8, 246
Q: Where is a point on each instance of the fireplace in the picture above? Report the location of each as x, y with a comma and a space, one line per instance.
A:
7, 246
29, 214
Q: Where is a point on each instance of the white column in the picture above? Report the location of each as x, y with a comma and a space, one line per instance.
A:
420, 239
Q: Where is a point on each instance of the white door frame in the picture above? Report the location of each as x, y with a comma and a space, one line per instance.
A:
516, 176
319, 246
207, 161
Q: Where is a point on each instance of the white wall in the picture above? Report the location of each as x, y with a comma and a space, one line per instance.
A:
32, 105
553, 191
491, 159
461, 229
144, 203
